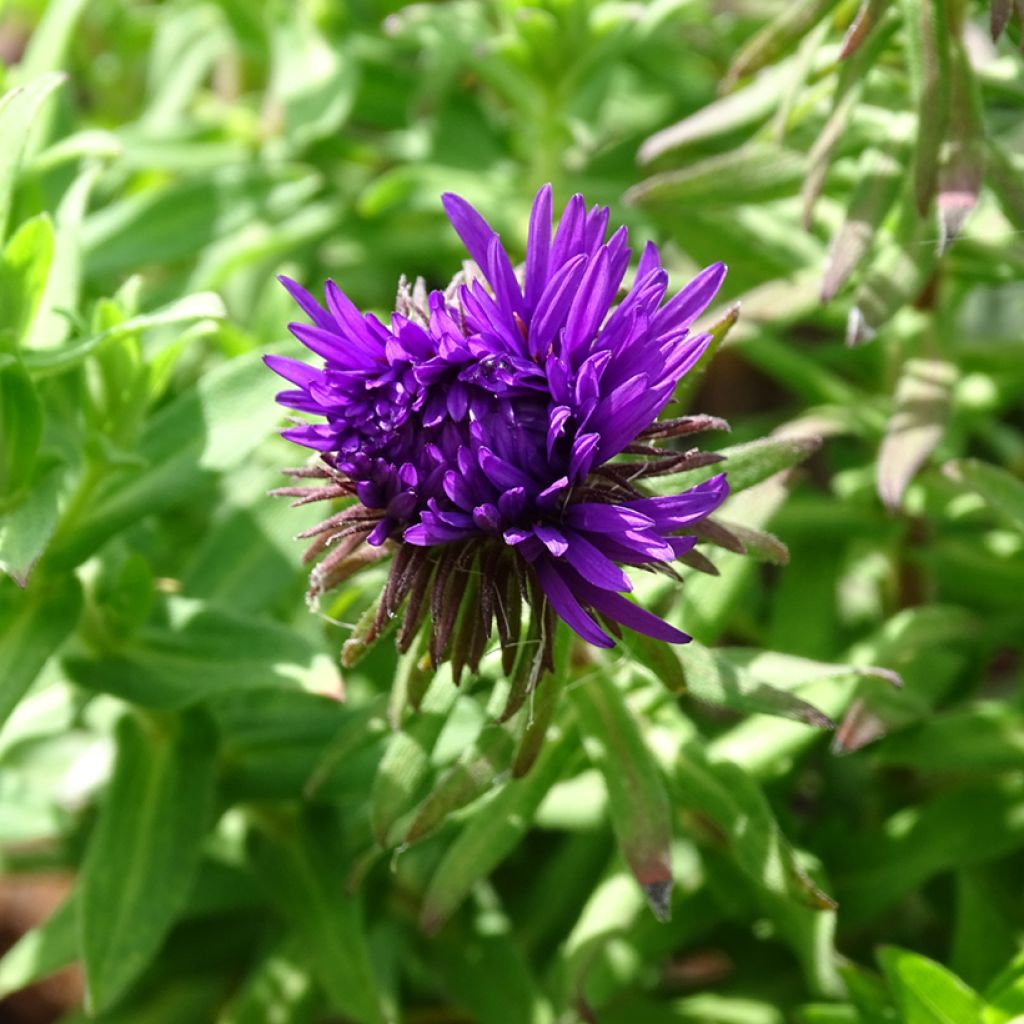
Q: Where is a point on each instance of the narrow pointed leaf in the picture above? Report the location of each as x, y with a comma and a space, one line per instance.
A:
304, 881
42, 951
867, 17
927, 992
897, 277
929, 34
477, 769
405, 764
732, 807
923, 402
37, 622
637, 798
879, 179
753, 173
142, 858
492, 834
18, 111
961, 175
776, 39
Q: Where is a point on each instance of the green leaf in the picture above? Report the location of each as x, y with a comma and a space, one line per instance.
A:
879, 176
929, 37
313, 80
209, 429
777, 38
42, 950
1000, 490
731, 808
24, 272
927, 993
26, 529
745, 464
189, 309
404, 766
142, 857
637, 799
492, 833
18, 111
754, 173
35, 624
21, 426
303, 880
203, 651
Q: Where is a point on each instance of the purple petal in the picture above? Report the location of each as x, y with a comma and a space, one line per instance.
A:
292, 370
554, 304
593, 565
566, 605
681, 311
475, 232
309, 305
551, 538
538, 247
606, 518
616, 607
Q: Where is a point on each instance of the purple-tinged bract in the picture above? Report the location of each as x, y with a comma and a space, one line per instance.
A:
495, 437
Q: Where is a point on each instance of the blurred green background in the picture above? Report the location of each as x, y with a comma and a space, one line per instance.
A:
191, 818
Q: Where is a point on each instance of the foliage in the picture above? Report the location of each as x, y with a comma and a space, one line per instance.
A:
246, 846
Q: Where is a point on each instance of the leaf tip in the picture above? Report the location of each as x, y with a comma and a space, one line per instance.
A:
659, 898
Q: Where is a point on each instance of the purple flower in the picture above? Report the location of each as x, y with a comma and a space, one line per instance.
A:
496, 436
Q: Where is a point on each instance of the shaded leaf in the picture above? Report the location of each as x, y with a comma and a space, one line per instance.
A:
143, 855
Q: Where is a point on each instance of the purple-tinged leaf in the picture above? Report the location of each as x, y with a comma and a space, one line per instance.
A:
999, 16
961, 175
922, 406
879, 179
867, 17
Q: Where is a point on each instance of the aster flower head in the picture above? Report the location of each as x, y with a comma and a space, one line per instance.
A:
494, 438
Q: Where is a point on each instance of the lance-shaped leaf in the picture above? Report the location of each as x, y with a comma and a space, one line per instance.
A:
928, 46
867, 17
18, 110
637, 798
143, 855
36, 622
24, 272
1000, 490
731, 811
753, 173
42, 950
492, 833
897, 277
777, 38
740, 109
878, 183
475, 771
26, 529
850, 85
923, 401
295, 864
719, 330
21, 427
926, 992
541, 711
1007, 180
716, 680
406, 761
745, 464
961, 174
